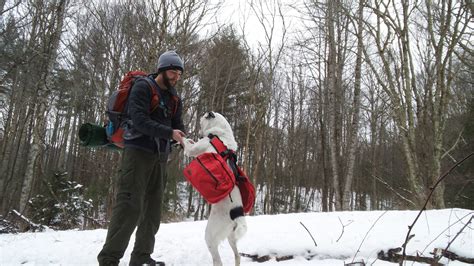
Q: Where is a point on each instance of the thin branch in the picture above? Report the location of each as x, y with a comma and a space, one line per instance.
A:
309, 234
393, 190
366, 234
343, 226
446, 229
454, 145
17, 3
468, 222
427, 200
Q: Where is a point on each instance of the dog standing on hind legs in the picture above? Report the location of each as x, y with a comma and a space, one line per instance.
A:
227, 218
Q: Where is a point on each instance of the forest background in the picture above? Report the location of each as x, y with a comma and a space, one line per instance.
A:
340, 105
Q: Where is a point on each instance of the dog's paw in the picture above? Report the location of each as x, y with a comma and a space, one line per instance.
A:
187, 141
187, 144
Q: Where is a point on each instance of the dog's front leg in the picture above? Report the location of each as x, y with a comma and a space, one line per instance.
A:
193, 149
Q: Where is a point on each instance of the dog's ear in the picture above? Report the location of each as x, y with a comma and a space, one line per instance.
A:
210, 115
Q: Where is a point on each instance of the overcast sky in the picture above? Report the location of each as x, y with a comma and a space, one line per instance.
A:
245, 19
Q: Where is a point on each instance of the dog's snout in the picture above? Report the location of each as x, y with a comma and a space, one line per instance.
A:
210, 115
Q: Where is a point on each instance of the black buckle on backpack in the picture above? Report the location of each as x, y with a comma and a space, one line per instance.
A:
166, 110
228, 152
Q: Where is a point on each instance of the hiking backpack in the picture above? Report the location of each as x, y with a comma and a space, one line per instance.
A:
117, 105
214, 178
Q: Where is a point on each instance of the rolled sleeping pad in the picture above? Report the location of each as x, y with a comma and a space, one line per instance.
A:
91, 135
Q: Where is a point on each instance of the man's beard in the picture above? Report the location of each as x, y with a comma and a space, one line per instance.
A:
166, 81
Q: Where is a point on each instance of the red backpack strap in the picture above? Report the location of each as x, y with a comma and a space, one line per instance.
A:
129, 77
175, 100
155, 97
220, 147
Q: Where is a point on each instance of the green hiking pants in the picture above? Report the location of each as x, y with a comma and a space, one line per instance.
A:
141, 184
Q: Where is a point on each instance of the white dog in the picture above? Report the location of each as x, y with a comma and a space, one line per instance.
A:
227, 219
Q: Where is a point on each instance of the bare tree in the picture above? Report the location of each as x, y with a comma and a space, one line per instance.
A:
270, 16
354, 127
407, 50
51, 40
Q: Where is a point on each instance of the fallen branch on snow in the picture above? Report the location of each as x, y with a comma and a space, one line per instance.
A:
453, 256
265, 258
28, 225
392, 255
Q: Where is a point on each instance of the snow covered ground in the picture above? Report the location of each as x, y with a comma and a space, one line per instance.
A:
276, 235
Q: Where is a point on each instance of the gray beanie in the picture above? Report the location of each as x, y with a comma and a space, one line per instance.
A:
170, 60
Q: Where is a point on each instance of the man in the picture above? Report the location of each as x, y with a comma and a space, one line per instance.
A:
142, 175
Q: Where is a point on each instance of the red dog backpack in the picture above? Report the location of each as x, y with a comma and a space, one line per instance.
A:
210, 176
247, 190
214, 179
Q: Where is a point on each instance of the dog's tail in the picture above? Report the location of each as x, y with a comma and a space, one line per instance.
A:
240, 227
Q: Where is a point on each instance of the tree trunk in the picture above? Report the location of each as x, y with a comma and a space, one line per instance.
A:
354, 128
333, 107
42, 96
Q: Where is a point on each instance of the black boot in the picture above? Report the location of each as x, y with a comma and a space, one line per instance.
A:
147, 262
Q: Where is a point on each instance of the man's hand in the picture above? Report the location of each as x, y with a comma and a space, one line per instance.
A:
178, 135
